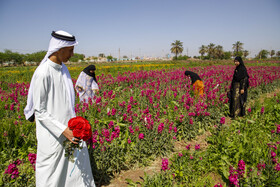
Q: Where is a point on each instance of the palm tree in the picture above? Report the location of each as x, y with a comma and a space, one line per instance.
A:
245, 53
177, 48
202, 50
278, 54
211, 50
272, 53
263, 54
219, 52
237, 48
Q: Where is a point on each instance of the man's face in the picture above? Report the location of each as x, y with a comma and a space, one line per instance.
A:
66, 53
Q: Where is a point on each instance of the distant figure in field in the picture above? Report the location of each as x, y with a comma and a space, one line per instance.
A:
238, 89
86, 84
197, 83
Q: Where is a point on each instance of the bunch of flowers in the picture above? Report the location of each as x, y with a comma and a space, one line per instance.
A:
32, 159
164, 165
12, 169
81, 130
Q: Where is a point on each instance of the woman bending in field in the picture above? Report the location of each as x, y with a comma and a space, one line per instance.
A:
198, 85
86, 84
238, 89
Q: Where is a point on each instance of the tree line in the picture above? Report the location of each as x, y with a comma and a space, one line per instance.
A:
213, 51
16, 58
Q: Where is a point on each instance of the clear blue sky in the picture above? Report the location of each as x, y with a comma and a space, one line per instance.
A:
140, 27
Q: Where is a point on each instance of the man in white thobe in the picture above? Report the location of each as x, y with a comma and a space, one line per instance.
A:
51, 97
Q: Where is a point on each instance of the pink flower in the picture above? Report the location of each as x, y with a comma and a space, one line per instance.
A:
223, 120
249, 110
197, 146
262, 110
164, 165
180, 154
160, 128
191, 157
273, 154
128, 141
218, 185
141, 136
277, 167
188, 147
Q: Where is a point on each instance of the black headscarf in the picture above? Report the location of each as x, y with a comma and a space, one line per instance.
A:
194, 76
240, 71
87, 71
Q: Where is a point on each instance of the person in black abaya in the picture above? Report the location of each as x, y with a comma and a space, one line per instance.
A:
239, 89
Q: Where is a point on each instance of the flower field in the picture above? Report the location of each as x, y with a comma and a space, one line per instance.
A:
139, 114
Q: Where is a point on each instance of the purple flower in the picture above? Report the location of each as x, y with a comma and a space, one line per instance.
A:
128, 141
160, 128
164, 164
141, 136
223, 120
277, 167
262, 110
218, 185
273, 154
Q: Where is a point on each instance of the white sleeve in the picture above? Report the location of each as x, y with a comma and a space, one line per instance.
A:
40, 98
94, 85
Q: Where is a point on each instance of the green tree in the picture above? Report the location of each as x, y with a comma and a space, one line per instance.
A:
109, 58
263, 54
211, 50
245, 53
76, 57
278, 54
237, 48
101, 55
272, 53
219, 52
227, 55
177, 48
35, 57
202, 50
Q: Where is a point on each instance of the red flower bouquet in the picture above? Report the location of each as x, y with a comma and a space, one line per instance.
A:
81, 130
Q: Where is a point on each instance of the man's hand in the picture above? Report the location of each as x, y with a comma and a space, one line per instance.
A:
242, 91
69, 135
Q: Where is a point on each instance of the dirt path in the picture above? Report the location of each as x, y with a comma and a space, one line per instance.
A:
155, 167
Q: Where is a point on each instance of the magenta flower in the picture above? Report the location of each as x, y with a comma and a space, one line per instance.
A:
223, 120
164, 165
141, 136
218, 185
180, 154
197, 146
277, 167
241, 168
262, 110
188, 147
128, 141
249, 110
273, 154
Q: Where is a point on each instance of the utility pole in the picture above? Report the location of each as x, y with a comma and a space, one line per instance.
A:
119, 53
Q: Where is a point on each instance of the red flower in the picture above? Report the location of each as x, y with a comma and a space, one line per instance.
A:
80, 127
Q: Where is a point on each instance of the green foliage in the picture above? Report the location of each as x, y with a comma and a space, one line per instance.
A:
77, 57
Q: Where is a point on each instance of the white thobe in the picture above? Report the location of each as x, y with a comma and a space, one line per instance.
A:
52, 112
